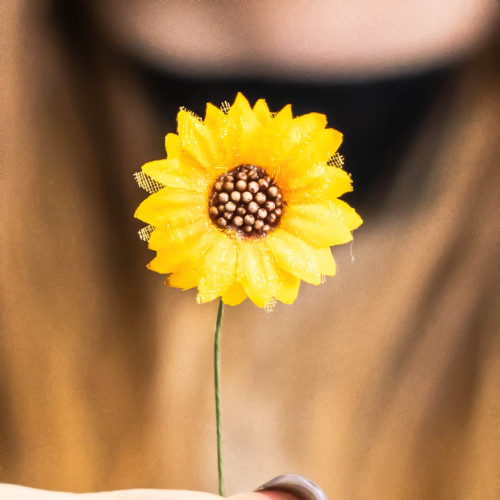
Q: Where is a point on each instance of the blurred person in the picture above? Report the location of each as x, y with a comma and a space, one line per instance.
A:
379, 384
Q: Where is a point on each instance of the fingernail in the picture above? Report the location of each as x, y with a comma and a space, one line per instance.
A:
297, 486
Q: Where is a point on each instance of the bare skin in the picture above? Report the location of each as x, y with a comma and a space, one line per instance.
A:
317, 39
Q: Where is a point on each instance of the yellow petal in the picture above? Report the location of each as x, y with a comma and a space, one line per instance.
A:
173, 216
164, 236
234, 295
175, 175
171, 207
257, 271
294, 256
326, 262
349, 216
172, 146
219, 268
185, 254
319, 224
277, 137
318, 149
302, 128
175, 151
196, 139
284, 138
322, 184
262, 112
268, 148
242, 113
310, 122
215, 119
299, 131
288, 288
243, 130
284, 115
184, 278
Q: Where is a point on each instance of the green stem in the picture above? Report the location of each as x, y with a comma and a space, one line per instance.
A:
217, 397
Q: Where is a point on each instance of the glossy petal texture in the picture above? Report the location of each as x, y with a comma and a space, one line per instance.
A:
295, 153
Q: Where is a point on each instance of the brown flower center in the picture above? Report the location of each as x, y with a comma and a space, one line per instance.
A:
246, 200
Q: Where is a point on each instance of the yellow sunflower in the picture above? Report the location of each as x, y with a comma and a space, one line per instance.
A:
246, 203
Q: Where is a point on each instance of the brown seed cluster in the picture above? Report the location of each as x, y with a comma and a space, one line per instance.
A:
246, 200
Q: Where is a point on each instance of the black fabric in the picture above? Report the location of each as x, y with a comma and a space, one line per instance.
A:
378, 118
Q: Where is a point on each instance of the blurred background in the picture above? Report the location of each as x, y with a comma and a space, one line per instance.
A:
378, 384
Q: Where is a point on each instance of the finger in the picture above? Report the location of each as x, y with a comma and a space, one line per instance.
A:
295, 485
263, 495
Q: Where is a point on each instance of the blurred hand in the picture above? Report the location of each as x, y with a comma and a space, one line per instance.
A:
15, 492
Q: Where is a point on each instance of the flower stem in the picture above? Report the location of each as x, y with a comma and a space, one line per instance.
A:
217, 397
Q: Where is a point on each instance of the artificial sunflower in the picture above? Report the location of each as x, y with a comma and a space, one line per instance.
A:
246, 203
